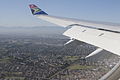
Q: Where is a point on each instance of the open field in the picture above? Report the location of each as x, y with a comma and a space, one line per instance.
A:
77, 66
5, 60
71, 58
15, 78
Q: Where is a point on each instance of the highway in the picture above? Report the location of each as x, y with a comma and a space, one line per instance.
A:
113, 74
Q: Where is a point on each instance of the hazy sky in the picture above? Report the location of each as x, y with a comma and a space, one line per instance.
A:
17, 12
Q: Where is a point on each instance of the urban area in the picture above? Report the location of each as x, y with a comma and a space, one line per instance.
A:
47, 58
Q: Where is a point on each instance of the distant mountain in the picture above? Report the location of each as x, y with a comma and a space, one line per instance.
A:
45, 31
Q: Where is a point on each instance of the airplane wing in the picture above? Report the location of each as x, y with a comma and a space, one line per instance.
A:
102, 35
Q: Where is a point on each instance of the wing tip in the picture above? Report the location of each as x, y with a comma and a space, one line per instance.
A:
36, 11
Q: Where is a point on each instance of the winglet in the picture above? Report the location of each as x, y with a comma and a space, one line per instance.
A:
36, 11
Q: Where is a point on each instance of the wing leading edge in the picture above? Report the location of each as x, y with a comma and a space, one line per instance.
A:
101, 35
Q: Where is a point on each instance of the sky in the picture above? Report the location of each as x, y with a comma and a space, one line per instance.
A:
17, 13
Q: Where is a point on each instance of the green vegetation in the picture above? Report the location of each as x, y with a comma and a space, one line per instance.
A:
15, 78
77, 66
14, 73
71, 58
5, 60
